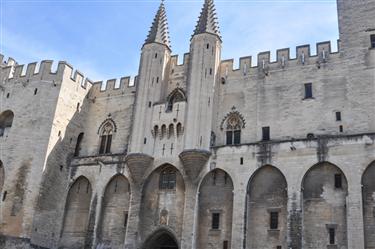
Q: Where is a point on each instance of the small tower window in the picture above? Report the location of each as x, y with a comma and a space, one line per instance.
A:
167, 179
208, 46
106, 139
308, 91
225, 244
35, 91
266, 133
156, 55
332, 235
274, 220
372, 38
338, 116
215, 223
341, 128
338, 181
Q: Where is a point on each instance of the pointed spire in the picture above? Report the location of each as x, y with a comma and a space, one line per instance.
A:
159, 32
207, 22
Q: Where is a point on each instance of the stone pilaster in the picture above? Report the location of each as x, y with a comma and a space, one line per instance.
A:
238, 224
189, 228
132, 239
354, 213
294, 238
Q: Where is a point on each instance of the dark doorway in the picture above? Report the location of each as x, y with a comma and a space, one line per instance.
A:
162, 241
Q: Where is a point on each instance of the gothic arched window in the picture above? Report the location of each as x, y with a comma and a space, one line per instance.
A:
234, 124
167, 179
106, 138
176, 95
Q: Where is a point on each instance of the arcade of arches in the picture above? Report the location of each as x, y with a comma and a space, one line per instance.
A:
323, 202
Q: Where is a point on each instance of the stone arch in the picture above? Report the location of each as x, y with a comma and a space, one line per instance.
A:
2, 176
160, 239
115, 210
266, 209
368, 196
324, 192
76, 214
6, 122
215, 210
162, 206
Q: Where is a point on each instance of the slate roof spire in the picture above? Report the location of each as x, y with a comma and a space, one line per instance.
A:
159, 32
207, 22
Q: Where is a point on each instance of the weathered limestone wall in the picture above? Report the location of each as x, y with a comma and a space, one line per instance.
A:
324, 207
114, 213
26, 144
215, 196
267, 192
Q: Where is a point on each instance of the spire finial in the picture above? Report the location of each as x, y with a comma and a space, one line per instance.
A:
159, 32
207, 22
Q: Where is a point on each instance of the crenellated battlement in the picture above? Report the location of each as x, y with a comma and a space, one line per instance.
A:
14, 73
174, 60
124, 85
283, 60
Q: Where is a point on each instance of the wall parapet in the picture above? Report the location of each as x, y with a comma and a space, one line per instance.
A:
114, 86
283, 60
14, 73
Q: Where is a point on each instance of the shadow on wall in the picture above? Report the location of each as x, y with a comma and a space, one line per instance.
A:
49, 227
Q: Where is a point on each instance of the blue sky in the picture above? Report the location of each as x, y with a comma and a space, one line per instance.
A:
103, 38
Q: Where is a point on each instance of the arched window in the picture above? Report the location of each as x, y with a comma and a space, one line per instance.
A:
106, 138
179, 129
156, 131
163, 131
176, 95
78, 144
167, 179
6, 121
171, 131
233, 125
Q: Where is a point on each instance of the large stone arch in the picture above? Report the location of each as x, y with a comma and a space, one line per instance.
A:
368, 195
162, 206
324, 207
114, 213
2, 176
76, 214
266, 209
161, 239
215, 199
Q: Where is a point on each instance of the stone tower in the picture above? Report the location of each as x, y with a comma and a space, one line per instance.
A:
152, 79
356, 25
205, 49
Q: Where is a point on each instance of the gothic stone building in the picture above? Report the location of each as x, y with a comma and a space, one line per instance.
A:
198, 155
